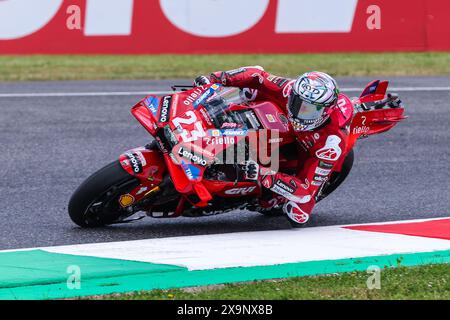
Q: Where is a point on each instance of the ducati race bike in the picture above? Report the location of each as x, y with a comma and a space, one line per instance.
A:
193, 166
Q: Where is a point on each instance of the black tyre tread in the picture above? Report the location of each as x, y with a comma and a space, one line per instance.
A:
339, 177
92, 187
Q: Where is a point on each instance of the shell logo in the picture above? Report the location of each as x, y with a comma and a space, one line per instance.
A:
126, 200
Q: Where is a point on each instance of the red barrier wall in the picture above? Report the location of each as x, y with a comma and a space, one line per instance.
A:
406, 25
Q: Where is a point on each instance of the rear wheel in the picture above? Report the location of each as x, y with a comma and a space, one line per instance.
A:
96, 201
337, 178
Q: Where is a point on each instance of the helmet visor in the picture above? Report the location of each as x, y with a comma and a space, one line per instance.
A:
305, 112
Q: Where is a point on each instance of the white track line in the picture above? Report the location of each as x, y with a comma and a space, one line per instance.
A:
81, 94
144, 93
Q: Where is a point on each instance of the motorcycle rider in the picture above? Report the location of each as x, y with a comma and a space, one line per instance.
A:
319, 115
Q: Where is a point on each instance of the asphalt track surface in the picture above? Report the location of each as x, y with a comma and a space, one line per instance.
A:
51, 143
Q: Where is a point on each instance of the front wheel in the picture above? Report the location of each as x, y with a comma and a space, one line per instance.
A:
96, 201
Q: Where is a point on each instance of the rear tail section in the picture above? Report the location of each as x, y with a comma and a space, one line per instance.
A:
376, 90
377, 111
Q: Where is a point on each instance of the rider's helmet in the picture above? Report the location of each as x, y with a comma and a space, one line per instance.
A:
311, 100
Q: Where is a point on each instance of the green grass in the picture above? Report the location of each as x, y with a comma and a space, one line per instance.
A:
65, 67
424, 282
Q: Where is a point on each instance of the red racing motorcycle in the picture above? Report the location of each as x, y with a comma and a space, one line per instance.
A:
203, 137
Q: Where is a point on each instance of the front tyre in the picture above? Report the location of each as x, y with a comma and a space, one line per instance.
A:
96, 201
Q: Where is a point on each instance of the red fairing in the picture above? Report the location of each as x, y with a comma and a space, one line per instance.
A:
373, 121
321, 152
146, 165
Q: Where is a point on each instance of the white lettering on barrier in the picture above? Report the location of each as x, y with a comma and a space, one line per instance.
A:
204, 18
108, 18
304, 16
19, 18
214, 18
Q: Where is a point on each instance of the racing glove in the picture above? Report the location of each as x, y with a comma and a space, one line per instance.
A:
251, 170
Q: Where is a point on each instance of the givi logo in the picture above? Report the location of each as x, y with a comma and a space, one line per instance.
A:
240, 191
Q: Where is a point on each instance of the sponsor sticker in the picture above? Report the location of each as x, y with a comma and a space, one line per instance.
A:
275, 140
325, 165
331, 151
234, 132
322, 172
206, 116
220, 140
320, 178
152, 104
361, 130
126, 200
280, 82
306, 184
229, 125
165, 108
284, 186
235, 71
252, 119
241, 191
193, 96
288, 89
141, 190
208, 93
215, 133
192, 172
270, 118
197, 159
137, 161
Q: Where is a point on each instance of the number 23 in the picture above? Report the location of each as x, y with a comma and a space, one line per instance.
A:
195, 134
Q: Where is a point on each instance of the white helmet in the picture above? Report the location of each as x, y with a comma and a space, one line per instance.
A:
313, 94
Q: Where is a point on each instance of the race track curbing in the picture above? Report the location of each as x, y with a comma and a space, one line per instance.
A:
47, 273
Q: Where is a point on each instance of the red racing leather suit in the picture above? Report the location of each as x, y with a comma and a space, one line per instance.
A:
321, 151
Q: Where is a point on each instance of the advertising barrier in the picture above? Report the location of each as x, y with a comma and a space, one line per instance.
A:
222, 26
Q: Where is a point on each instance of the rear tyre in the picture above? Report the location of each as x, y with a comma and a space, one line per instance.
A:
96, 201
337, 178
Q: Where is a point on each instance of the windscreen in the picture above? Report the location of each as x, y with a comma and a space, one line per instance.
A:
218, 105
